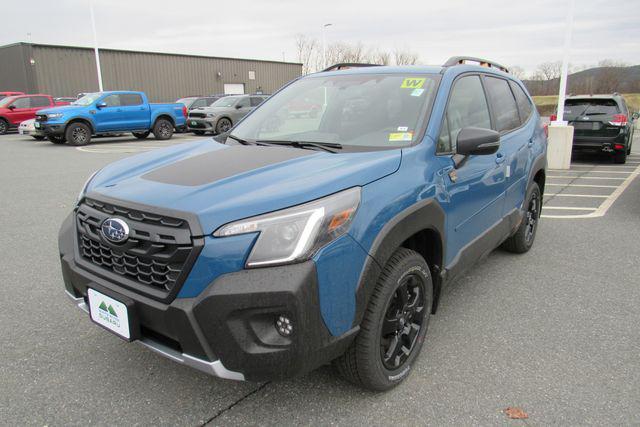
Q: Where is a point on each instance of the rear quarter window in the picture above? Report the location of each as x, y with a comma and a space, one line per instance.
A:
524, 104
128, 99
503, 104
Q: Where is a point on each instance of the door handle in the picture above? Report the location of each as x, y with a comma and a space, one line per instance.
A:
499, 158
530, 143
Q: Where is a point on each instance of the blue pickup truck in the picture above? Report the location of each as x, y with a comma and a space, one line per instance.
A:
298, 241
109, 112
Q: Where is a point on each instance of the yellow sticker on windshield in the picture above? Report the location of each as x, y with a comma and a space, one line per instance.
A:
412, 83
400, 136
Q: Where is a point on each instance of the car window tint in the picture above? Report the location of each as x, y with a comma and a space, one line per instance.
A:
503, 104
199, 103
467, 108
112, 100
524, 104
244, 102
256, 100
130, 99
22, 102
39, 101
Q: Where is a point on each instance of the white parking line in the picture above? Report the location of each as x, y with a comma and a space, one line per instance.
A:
593, 212
597, 196
581, 185
582, 177
598, 171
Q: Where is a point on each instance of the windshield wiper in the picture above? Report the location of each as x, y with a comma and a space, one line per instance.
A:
331, 147
240, 140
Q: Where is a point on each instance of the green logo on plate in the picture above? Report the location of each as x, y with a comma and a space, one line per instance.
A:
108, 309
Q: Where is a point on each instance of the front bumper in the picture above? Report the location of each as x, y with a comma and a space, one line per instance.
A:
201, 124
47, 129
228, 330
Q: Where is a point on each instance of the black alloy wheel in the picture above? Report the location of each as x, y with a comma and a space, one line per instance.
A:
402, 322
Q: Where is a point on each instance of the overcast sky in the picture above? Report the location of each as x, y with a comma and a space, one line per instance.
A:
511, 32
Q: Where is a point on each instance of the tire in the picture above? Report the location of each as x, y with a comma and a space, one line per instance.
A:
524, 237
57, 139
38, 137
620, 157
198, 132
78, 134
223, 125
375, 359
141, 135
4, 126
162, 129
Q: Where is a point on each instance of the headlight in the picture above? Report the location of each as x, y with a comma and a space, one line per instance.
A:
210, 115
86, 184
295, 234
54, 116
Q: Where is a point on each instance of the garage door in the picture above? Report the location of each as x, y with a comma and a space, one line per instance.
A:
234, 88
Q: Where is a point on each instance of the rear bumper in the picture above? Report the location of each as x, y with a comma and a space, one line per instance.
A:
593, 143
229, 329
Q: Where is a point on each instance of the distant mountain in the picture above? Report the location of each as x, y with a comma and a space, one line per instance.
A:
591, 81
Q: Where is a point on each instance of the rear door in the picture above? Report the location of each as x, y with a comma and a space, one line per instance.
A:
242, 108
476, 188
515, 140
591, 117
134, 114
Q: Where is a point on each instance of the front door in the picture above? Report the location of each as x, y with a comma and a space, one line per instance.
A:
476, 188
108, 117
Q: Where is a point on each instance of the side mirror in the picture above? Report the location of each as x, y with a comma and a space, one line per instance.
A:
477, 141
12, 107
100, 105
238, 107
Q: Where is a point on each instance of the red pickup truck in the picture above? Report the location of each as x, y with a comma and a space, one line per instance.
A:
16, 109
5, 94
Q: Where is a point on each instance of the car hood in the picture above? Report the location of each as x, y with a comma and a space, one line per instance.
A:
221, 183
212, 109
62, 109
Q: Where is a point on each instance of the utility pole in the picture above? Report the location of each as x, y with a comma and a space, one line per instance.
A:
95, 45
324, 46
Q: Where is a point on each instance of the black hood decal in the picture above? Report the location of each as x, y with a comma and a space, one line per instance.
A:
219, 164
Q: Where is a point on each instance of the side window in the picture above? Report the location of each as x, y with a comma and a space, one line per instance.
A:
209, 101
112, 100
199, 103
130, 99
22, 102
39, 101
503, 104
524, 105
467, 108
256, 100
243, 103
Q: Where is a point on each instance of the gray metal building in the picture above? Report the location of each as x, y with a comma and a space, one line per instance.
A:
67, 71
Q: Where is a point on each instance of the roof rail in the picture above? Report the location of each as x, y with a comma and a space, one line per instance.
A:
347, 65
458, 60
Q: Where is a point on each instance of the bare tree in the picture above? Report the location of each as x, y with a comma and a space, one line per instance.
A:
379, 57
517, 72
306, 50
404, 57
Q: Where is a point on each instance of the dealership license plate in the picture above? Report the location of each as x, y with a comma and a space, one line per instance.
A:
194, 123
37, 125
109, 313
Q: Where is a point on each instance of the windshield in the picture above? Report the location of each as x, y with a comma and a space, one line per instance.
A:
377, 110
186, 101
590, 107
227, 101
88, 99
6, 101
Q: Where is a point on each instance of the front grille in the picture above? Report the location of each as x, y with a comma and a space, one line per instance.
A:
197, 115
41, 117
155, 258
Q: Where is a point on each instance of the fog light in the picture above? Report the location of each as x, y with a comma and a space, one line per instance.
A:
284, 325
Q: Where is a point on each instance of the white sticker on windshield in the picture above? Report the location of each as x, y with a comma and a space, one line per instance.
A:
417, 92
402, 128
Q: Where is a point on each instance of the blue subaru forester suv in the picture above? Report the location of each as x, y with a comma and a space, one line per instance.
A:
296, 240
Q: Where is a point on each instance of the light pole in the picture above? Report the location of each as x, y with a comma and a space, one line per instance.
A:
95, 45
565, 63
324, 46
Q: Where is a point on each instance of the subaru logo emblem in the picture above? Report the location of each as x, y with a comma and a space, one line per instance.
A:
115, 230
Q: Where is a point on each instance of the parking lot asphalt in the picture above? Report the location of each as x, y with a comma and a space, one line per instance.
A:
554, 331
